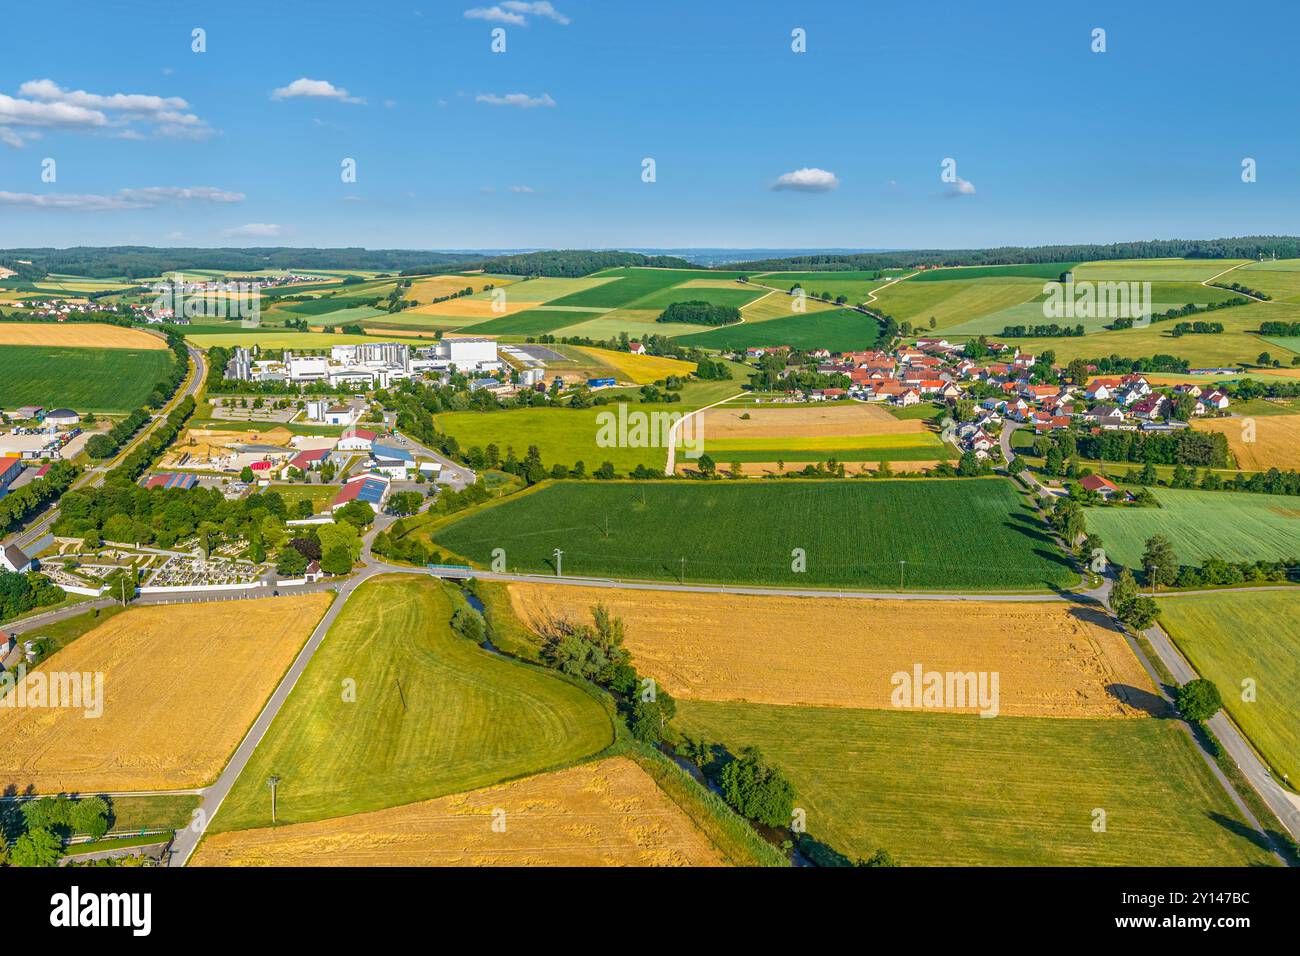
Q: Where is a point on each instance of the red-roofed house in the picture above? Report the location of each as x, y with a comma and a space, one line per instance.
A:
306, 461
1100, 484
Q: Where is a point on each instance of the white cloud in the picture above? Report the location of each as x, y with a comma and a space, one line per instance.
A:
521, 100
516, 13
43, 103
314, 89
255, 230
810, 179
522, 189
147, 197
962, 187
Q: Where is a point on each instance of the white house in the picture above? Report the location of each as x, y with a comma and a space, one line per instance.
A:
356, 439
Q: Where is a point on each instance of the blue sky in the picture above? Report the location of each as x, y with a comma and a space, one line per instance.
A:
1055, 142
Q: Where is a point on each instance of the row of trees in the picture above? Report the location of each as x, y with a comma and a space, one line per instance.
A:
696, 312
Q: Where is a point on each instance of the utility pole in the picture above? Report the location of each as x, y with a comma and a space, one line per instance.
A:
682, 576
1152, 571
901, 565
559, 556
271, 782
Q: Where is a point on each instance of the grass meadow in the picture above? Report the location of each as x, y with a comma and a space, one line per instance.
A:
1203, 524
433, 714
957, 789
1247, 635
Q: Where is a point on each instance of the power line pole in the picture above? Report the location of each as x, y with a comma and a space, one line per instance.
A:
272, 781
559, 556
901, 565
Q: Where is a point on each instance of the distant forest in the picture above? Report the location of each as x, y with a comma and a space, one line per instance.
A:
1244, 247
140, 262
572, 263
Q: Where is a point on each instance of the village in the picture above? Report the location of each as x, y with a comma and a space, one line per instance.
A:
1016, 386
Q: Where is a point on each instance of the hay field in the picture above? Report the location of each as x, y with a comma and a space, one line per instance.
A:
957, 790
1244, 634
1054, 659
182, 684
605, 813
641, 369
778, 305
776, 421
1276, 441
87, 335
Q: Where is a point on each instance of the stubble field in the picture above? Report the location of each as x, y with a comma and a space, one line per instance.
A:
1054, 659
181, 686
605, 813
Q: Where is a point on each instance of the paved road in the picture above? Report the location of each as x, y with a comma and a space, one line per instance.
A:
454, 475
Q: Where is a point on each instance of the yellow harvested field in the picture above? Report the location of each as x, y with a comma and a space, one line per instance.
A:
1053, 659
606, 813
1260, 442
799, 421
468, 308
639, 369
422, 290
87, 335
181, 686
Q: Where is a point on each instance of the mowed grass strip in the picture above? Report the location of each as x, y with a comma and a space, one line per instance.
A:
1203, 524
954, 534
1241, 636
956, 789
604, 813
181, 686
85, 379
433, 714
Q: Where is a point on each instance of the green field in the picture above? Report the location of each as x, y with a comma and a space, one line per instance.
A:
629, 285
947, 789
855, 285
433, 714
1242, 634
87, 380
1203, 524
562, 435
1029, 270
737, 297
954, 303
533, 322
840, 330
955, 534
